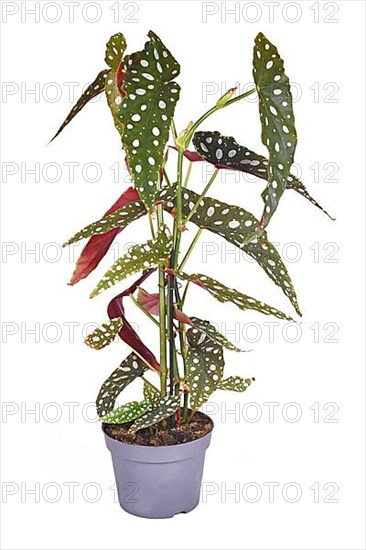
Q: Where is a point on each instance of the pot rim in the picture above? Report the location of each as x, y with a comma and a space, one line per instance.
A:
158, 447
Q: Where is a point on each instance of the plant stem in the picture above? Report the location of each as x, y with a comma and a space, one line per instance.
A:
170, 312
178, 220
144, 310
207, 187
188, 173
151, 225
208, 113
191, 247
184, 295
162, 331
162, 311
183, 348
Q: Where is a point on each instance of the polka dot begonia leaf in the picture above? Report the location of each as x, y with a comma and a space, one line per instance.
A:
236, 226
143, 110
213, 334
163, 409
113, 86
115, 49
126, 413
129, 369
94, 89
277, 120
151, 394
104, 335
223, 294
205, 366
225, 152
139, 257
120, 218
235, 383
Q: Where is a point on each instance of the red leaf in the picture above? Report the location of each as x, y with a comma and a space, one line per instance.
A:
98, 245
182, 317
127, 333
192, 156
150, 302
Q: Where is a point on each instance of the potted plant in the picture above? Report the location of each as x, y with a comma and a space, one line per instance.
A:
158, 443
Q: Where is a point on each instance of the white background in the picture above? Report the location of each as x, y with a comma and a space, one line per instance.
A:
52, 367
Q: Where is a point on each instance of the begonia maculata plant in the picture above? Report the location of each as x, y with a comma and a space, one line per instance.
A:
142, 93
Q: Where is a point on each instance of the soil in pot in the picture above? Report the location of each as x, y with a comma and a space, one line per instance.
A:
157, 436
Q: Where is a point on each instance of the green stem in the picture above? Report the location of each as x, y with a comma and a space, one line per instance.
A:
178, 219
208, 185
183, 349
192, 130
184, 295
191, 247
162, 311
162, 331
188, 173
151, 225
166, 177
144, 310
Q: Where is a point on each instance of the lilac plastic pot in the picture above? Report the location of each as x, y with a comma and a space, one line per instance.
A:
158, 482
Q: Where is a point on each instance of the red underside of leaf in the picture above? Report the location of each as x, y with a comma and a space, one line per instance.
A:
119, 79
127, 333
148, 301
98, 245
192, 156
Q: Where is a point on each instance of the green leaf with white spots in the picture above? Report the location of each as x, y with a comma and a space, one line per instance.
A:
126, 413
115, 49
94, 89
151, 394
163, 409
236, 225
223, 294
144, 109
213, 334
205, 366
277, 120
225, 152
267, 256
139, 257
129, 369
120, 218
113, 87
104, 335
235, 383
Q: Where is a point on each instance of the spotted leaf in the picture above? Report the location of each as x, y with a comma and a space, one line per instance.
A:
224, 294
205, 366
94, 89
101, 337
277, 120
120, 219
151, 395
140, 256
213, 333
143, 109
113, 87
225, 152
126, 413
129, 369
236, 226
235, 383
163, 409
